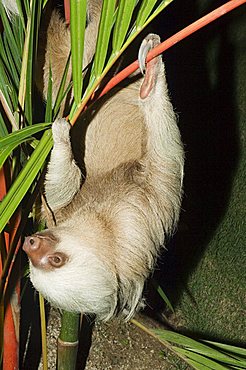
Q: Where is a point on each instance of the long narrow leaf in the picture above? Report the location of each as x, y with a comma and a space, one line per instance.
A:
159, 9
11, 141
34, 25
116, 54
77, 27
228, 348
144, 11
8, 111
10, 36
196, 365
3, 129
200, 359
11, 64
123, 20
43, 332
24, 180
106, 22
162, 295
196, 346
48, 111
6, 86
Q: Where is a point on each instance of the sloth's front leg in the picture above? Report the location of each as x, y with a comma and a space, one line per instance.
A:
63, 178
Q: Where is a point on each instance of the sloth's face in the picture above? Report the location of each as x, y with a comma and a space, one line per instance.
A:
70, 274
42, 251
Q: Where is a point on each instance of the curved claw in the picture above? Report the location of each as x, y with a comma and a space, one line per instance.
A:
145, 47
149, 69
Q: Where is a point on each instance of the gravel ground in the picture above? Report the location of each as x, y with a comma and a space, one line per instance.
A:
116, 346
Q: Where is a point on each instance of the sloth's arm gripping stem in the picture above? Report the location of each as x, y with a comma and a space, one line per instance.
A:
63, 178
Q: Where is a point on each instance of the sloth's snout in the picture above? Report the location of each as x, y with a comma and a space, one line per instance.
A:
37, 247
40, 249
31, 243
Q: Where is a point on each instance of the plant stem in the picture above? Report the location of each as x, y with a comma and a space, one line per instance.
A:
68, 341
173, 40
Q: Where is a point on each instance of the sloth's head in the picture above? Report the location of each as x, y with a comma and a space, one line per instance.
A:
71, 273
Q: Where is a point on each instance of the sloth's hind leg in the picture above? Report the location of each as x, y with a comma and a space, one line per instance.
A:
163, 161
63, 178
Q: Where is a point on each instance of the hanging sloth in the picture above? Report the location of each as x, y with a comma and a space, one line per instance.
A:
114, 215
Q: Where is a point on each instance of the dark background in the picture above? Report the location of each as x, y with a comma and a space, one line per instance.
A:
203, 272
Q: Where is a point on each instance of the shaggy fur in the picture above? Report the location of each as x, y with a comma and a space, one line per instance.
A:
111, 228
10, 6
113, 219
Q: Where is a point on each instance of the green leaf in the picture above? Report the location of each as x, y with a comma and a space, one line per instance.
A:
144, 11
12, 70
123, 20
106, 23
6, 81
228, 348
77, 28
10, 36
20, 15
195, 346
10, 142
3, 129
32, 48
158, 10
162, 295
204, 361
25, 179
196, 365
48, 111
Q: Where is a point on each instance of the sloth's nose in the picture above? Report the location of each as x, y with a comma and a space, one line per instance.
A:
31, 244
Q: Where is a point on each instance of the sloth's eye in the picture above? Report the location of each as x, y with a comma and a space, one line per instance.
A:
57, 259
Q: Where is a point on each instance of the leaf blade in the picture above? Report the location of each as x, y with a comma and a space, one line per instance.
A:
24, 180
123, 19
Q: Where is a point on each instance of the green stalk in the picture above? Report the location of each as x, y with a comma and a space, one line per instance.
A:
43, 332
124, 16
114, 57
68, 341
106, 22
77, 27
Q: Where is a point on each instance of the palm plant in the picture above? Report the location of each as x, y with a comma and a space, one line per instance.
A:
26, 143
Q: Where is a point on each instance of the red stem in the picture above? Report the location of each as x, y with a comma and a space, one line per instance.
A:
67, 11
11, 319
193, 27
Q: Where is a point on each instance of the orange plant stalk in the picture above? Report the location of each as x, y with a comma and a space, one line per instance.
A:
193, 27
67, 11
187, 31
10, 307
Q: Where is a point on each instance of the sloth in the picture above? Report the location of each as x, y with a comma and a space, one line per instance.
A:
109, 230
113, 216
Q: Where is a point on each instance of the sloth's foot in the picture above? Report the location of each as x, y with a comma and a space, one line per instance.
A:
61, 131
149, 69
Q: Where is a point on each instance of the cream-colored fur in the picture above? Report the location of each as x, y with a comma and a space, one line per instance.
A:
113, 218
57, 46
10, 6
129, 202
54, 45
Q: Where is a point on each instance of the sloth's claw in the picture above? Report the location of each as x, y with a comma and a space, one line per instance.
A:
148, 43
149, 69
142, 54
